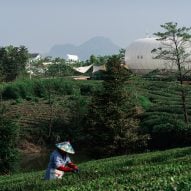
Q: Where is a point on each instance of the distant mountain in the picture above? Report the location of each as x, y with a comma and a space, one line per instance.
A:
98, 46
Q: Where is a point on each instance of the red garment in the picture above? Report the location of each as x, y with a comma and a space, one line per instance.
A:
72, 165
69, 168
65, 168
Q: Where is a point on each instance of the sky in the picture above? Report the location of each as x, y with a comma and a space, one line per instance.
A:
40, 24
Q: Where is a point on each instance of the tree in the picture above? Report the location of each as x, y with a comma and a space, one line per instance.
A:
93, 59
175, 49
112, 126
9, 134
122, 55
13, 61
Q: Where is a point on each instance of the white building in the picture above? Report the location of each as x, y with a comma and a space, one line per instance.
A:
35, 57
139, 59
48, 63
72, 58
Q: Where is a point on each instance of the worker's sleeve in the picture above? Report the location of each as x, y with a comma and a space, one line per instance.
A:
60, 163
72, 165
65, 168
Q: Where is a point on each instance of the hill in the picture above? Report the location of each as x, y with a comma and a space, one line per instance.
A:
98, 46
165, 170
158, 104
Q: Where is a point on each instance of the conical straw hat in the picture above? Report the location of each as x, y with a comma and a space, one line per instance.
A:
66, 147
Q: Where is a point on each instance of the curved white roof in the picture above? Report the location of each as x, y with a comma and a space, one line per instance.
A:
98, 68
138, 56
83, 69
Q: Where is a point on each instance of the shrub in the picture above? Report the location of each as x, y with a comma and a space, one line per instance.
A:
145, 102
39, 88
9, 133
11, 92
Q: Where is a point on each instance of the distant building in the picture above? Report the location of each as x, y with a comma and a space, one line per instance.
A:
72, 58
47, 63
35, 57
81, 77
82, 69
99, 68
139, 58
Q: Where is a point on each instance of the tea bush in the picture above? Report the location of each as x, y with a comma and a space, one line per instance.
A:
165, 170
43, 87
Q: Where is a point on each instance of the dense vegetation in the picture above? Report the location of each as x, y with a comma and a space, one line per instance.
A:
50, 108
174, 47
111, 119
163, 117
13, 61
9, 136
62, 105
167, 170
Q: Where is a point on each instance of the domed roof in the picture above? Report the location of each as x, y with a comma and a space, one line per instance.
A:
139, 58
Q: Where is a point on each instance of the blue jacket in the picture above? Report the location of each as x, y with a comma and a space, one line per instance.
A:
56, 160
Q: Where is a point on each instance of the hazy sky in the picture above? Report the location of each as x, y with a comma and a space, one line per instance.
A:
40, 24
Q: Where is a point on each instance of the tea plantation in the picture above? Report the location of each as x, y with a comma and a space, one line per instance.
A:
158, 104
165, 170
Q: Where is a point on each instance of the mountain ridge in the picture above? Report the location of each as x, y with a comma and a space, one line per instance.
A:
98, 46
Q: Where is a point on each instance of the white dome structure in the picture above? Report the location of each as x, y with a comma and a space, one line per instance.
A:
139, 59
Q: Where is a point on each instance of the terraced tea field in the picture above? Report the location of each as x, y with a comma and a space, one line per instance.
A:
166, 171
163, 97
162, 116
160, 100
32, 116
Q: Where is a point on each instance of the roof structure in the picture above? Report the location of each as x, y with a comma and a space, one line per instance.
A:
98, 68
83, 69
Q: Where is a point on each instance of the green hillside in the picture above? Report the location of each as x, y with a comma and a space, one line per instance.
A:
166, 170
159, 107
162, 114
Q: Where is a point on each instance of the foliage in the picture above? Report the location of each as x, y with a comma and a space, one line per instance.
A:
168, 128
166, 170
9, 134
163, 118
60, 110
60, 69
122, 55
175, 43
69, 125
13, 61
111, 124
97, 60
42, 87
144, 102
156, 104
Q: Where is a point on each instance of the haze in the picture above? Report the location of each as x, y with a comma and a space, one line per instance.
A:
40, 24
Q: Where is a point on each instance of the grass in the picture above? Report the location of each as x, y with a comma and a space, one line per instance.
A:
165, 170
